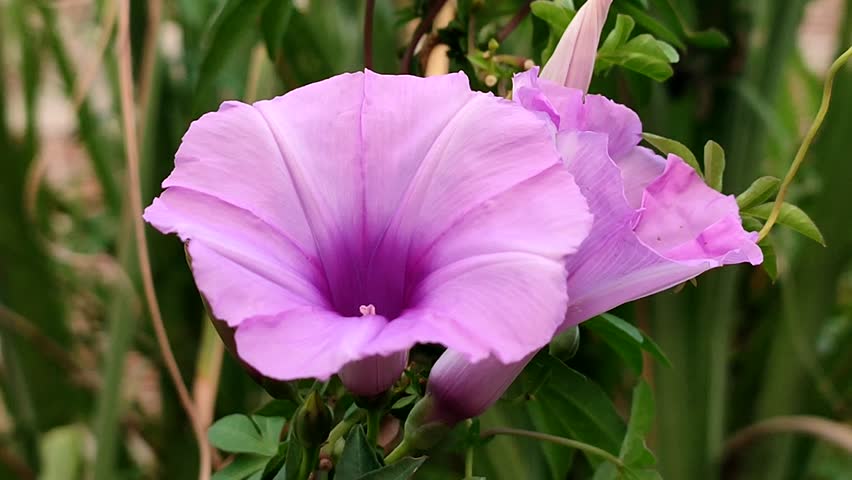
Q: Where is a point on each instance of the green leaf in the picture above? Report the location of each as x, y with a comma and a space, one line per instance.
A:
642, 54
571, 405
758, 192
639, 462
237, 433
404, 401
669, 146
401, 470
627, 340
557, 14
710, 38
624, 338
634, 452
242, 467
358, 456
669, 51
273, 23
292, 461
770, 259
619, 34
650, 24
270, 428
235, 20
790, 216
714, 164
277, 408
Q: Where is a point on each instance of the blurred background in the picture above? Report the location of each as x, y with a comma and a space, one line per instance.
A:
85, 391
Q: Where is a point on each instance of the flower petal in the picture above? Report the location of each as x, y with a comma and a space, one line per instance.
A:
616, 265
243, 266
304, 343
506, 304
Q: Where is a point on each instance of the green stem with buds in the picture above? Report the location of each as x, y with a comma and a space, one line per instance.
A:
401, 450
566, 442
340, 430
806, 142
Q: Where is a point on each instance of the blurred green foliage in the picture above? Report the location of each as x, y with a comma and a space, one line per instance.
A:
742, 347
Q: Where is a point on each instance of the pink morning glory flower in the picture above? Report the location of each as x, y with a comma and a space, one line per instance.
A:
335, 226
657, 224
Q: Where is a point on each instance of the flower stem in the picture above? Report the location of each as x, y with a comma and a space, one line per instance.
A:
806, 142
401, 450
374, 419
340, 430
567, 442
306, 467
468, 463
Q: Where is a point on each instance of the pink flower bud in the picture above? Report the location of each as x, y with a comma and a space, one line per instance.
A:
573, 61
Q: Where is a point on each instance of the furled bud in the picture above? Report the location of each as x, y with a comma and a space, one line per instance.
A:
372, 376
573, 61
463, 390
313, 421
565, 344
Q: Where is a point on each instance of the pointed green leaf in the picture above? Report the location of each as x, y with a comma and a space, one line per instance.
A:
401, 470
642, 54
358, 456
669, 146
619, 35
710, 38
790, 216
758, 192
270, 428
292, 460
714, 165
242, 467
627, 340
650, 24
234, 22
557, 14
669, 51
622, 337
277, 408
237, 433
273, 22
571, 405
634, 453
770, 259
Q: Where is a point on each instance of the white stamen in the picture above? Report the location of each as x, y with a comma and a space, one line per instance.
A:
367, 310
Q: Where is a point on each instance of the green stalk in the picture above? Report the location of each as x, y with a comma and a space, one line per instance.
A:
565, 442
122, 327
806, 142
20, 403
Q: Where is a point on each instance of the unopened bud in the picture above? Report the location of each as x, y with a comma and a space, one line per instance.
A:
313, 421
490, 80
423, 429
565, 345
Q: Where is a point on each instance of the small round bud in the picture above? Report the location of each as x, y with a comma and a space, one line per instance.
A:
528, 64
565, 345
313, 421
490, 80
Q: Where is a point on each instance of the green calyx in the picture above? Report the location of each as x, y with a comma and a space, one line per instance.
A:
313, 421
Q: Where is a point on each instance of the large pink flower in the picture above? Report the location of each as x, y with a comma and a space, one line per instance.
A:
337, 225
